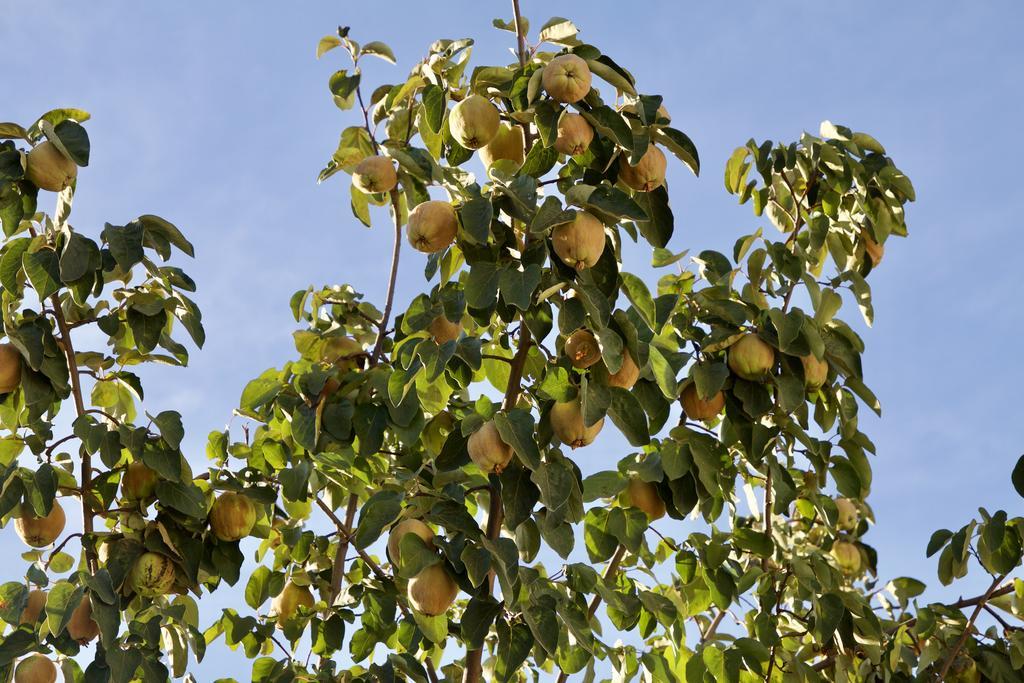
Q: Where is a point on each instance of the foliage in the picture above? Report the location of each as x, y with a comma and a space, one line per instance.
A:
368, 425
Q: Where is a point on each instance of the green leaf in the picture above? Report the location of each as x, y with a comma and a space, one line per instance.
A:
379, 49
43, 271
379, 511
628, 415
709, 377
326, 44
638, 294
125, 244
13, 598
610, 124
261, 390
434, 106
559, 491
664, 375
414, 556
519, 494
544, 625
79, 256
517, 429
658, 222
477, 619
514, 644
161, 228
518, 283
680, 144
539, 161
171, 429
1018, 476
475, 216
75, 141
604, 484
482, 284
185, 497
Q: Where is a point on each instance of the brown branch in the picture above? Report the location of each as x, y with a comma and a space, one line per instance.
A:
390, 300
713, 626
970, 624
595, 602
344, 532
962, 603
495, 510
76, 390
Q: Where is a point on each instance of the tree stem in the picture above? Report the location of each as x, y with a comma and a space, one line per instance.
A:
495, 511
86, 464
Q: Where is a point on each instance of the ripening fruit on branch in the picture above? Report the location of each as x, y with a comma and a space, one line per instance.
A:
582, 349
139, 482
847, 514
508, 144
285, 605
443, 330
567, 424
580, 242
474, 122
487, 450
566, 78
574, 134
375, 174
152, 575
648, 174
643, 495
35, 668
48, 169
398, 532
82, 627
751, 358
963, 670
232, 516
433, 590
847, 557
815, 371
697, 408
34, 607
39, 532
432, 226
627, 375
10, 368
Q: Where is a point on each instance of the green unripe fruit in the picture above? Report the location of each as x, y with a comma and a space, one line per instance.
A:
232, 516
751, 358
152, 575
474, 122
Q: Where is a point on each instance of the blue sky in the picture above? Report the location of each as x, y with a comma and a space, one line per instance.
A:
217, 117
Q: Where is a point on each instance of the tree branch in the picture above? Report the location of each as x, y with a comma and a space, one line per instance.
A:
967, 629
344, 532
595, 602
390, 300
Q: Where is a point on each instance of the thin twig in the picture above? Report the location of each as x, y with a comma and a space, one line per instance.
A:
60, 547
